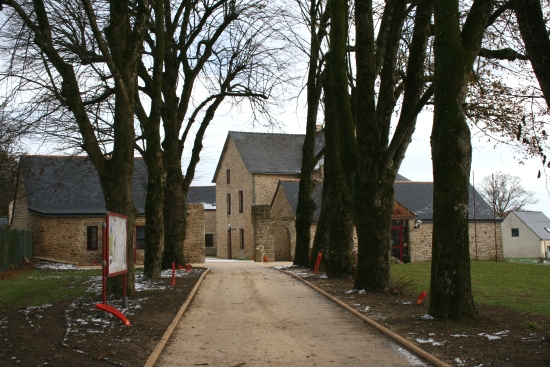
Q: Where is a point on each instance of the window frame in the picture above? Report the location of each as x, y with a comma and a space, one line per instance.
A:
241, 201
206, 241
241, 238
88, 247
138, 239
228, 202
228, 176
515, 232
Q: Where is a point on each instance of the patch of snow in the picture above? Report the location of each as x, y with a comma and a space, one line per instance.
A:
362, 291
427, 317
366, 309
407, 303
324, 276
459, 362
431, 334
55, 266
494, 336
414, 360
460, 335
351, 291
424, 341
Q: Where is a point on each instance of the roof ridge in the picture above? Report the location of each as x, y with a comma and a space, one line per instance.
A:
264, 133
61, 156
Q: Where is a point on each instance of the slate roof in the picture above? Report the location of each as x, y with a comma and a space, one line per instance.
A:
69, 185
536, 221
205, 195
291, 189
269, 153
418, 198
415, 196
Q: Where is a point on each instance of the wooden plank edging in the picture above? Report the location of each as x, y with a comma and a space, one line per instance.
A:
168, 333
399, 339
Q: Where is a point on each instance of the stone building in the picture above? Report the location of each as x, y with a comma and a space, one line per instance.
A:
206, 196
59, 198
411, 227
246, 177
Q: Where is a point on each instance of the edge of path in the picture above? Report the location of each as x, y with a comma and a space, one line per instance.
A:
155, 354
399, 339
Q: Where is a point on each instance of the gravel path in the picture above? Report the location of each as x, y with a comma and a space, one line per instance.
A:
248, 314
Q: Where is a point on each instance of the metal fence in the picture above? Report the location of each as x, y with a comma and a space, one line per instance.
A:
14, 244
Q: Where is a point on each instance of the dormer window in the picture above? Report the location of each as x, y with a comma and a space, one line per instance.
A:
547, 229
228, 174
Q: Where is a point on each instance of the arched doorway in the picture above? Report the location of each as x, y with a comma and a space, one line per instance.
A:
282, 244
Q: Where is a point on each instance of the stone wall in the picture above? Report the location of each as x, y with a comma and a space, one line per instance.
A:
193, 246
21, 218
421, 241
264, 232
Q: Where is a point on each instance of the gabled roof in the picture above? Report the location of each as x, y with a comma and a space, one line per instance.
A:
418, 198
69, 185
269, 153
536, 221
205, 195
414, 196
291, 189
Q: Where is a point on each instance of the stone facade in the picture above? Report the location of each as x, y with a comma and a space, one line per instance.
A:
274, 238
257, 189
193, 246
482, 233
65, 238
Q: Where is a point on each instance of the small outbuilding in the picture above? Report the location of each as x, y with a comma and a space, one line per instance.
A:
526, 234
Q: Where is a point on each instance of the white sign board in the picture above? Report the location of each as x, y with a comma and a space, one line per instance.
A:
117, 249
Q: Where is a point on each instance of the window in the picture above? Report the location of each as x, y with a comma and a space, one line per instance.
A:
228, 174
91, 239
241, 237
228, 203
241, 201
140, 237
209, 240
515, 232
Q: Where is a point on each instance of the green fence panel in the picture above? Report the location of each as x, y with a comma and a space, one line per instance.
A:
14, 244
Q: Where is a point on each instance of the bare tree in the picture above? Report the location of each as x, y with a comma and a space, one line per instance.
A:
68, 60
209, 52
10, 151
504, 193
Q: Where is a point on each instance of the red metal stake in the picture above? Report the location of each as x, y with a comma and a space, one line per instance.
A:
317, 263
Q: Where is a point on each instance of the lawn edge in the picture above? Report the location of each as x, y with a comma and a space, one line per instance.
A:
396, 337
155, 354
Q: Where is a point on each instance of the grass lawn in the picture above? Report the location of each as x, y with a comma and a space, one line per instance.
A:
519, 286
40, 286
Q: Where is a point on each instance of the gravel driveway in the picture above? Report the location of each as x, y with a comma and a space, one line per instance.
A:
249, 314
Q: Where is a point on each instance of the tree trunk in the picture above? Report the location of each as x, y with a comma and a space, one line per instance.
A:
154, 216
373, 185
306, 207
339, 147
174, 211
455, 52
154, 202
321, 238
535, 36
